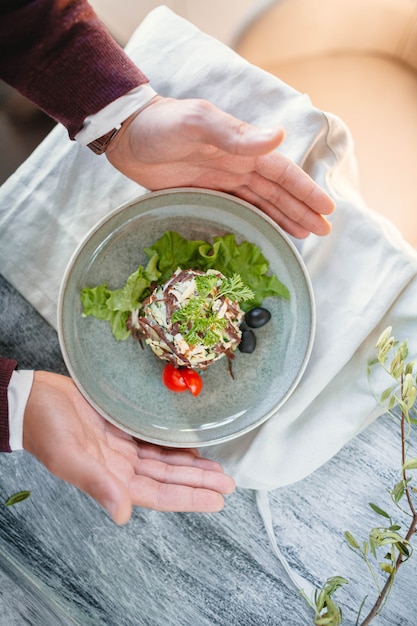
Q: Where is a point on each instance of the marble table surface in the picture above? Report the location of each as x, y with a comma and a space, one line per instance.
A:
62, 561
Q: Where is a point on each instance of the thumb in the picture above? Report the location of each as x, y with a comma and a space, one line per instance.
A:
236, 137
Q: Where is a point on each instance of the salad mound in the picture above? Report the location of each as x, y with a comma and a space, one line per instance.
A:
194, 318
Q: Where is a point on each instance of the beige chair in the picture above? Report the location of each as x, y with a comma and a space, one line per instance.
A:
357, 59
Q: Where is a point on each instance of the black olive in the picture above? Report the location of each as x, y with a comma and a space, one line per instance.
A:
248, 342
257, 317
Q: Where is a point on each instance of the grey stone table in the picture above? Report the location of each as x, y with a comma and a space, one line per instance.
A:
62, 561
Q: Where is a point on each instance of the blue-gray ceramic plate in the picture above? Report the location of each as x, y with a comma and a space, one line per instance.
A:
123, 381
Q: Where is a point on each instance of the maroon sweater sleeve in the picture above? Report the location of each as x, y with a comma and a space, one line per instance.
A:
58, 54
7, 366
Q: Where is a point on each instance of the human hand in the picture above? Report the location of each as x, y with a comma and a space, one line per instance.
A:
79, 446
192, 143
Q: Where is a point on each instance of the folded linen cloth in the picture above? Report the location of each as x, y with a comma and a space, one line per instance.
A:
364, 275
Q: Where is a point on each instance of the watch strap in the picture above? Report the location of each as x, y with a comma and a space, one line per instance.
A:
99, 146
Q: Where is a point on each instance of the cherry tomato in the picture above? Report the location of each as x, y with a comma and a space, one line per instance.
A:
173, 379
192, 380
181, 379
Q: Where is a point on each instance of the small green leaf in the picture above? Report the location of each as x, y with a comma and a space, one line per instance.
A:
351, 540
386, 567
397, 373
378, 510
399, 490
411, 397
409, 367
334, 583
403, 350
404, 549
409, 390
393, 401
383, 352
17, 497
386, 394
397, 366
383, 338
373, 544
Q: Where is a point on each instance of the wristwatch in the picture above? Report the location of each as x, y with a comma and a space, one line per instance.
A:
99, 146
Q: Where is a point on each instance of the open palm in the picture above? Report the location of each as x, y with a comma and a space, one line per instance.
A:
77, 445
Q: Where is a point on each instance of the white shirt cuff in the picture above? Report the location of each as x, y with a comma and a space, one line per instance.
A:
114, 114
18, 392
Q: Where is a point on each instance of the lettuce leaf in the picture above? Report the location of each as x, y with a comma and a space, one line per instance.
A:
115, 306
165, 256
174, 251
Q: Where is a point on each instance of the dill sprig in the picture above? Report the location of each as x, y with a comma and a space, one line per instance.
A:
232, 288
199, 323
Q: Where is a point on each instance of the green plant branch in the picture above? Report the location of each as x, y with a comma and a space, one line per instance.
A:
413, 525
390, 581
403, 460
402, 394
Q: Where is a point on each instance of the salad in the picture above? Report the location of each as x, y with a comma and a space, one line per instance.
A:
189, 303
194, 318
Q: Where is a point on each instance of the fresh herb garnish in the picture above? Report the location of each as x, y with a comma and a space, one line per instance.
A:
198, 325
234, 289
199, 322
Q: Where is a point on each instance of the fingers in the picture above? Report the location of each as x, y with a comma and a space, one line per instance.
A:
178, 480
185, 474
289, 196
177, 456
289, 213
161, 496
288, 175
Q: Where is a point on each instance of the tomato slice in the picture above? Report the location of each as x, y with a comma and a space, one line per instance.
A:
181, 379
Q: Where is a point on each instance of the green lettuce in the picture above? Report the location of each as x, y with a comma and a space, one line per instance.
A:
115, 306
165, 256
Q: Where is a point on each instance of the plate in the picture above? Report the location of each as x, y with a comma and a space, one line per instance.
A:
122, 381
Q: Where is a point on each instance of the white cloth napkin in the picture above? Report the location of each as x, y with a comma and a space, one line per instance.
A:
364, 275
